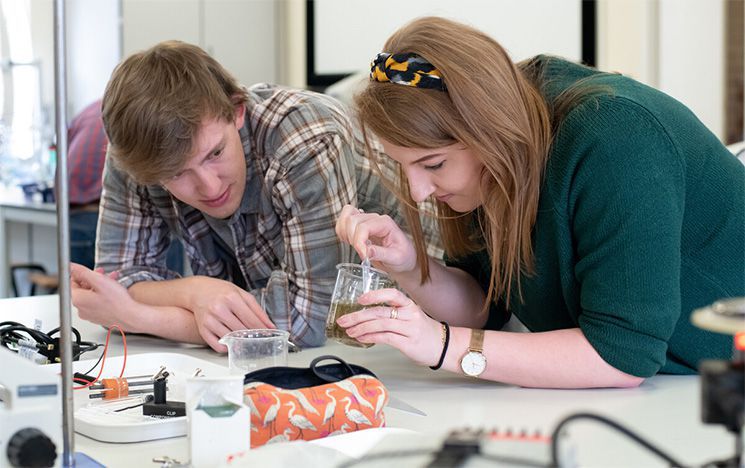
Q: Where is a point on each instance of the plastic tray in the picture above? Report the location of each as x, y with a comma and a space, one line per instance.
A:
98, 420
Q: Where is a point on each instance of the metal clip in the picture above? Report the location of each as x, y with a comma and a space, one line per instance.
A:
159, 373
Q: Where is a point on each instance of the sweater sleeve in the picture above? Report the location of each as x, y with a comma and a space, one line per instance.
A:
478, 265
626, 206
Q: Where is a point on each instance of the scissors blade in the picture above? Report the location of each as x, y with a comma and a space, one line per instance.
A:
399, 404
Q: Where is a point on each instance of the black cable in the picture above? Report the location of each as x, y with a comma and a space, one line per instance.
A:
9, 322
97, 362
12, 332
74, 331
11, 340
148, 399
623, 430
86, 349
532, 463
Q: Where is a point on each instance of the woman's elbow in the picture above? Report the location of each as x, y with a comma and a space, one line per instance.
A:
629, 381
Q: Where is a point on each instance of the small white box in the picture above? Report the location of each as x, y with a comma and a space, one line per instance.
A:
218, 421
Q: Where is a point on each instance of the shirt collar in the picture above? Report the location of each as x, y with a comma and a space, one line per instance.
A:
252, 191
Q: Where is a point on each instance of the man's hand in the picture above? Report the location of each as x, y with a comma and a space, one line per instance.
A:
99, 298
220, 307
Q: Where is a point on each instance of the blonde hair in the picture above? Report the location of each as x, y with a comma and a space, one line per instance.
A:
156, 101
491, 107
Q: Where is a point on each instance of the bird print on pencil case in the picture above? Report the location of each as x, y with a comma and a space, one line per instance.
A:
313, 412
352, 388
355, 415
299, 421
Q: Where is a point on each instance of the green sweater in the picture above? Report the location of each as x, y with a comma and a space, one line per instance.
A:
641, 220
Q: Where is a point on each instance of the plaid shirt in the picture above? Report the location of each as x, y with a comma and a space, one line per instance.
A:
86, 154
303, 165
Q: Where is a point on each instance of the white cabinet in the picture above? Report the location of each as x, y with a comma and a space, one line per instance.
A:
241, 34
672, 45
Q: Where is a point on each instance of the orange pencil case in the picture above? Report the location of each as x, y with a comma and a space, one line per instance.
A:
295, 403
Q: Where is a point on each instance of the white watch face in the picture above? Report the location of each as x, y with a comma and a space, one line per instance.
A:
473, 364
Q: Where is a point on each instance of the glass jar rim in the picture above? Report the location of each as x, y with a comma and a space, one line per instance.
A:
355, 269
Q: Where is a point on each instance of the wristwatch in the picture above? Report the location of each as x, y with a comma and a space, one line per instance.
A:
473, 362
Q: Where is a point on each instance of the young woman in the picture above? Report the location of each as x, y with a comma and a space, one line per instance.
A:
597, 210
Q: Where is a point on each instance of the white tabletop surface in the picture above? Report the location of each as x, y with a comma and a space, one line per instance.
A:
664, 409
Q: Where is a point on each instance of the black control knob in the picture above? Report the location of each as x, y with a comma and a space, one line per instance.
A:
30, 447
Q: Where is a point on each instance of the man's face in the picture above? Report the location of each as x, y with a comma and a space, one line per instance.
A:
214, 177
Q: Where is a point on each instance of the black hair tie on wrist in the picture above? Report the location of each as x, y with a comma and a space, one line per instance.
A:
444, 346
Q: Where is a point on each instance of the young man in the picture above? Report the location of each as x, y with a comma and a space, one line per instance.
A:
251, 181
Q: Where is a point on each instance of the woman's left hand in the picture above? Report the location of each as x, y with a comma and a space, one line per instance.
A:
399, 323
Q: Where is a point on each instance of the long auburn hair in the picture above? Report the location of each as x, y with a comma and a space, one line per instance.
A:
494, 107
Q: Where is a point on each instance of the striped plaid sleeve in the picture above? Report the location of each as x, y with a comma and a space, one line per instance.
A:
311, 178
132, 237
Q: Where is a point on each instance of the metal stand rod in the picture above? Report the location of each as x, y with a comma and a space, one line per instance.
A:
63, 234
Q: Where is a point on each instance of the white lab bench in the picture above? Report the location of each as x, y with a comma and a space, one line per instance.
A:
664, 409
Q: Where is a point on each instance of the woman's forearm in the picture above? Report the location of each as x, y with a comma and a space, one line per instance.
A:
450, 294
554, 359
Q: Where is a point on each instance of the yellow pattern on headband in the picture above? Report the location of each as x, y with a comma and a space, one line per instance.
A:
406, 69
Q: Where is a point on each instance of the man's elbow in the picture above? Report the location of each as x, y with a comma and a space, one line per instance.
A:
310, 339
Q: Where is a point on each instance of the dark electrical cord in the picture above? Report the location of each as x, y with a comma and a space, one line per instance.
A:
147, 399
13, 330
46, 344
74, 332
623, 430
97, 362
92, 347
555, 437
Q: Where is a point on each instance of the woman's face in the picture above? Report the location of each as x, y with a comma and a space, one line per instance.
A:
451, 174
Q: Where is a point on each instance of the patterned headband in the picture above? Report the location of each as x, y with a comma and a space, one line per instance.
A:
406, 69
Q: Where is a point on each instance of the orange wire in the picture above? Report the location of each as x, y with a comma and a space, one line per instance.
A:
740, 341
103, 360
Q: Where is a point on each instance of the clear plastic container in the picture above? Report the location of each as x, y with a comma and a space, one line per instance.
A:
250, 350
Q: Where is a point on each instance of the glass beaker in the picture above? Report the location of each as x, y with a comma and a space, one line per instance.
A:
348, 288
249, 350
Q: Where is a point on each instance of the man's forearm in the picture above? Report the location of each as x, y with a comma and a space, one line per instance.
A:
169, 293
170, 322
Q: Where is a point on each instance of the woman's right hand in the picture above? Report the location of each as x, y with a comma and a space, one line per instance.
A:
377, 237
